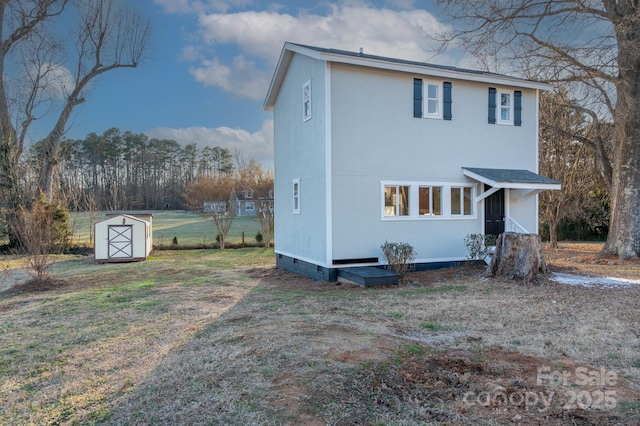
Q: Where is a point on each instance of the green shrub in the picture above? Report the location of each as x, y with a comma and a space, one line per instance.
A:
400, 257
259, 237
477, 246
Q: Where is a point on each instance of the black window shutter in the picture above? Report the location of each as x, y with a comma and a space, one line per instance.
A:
492, 105
517, 108
447, 101
417, 97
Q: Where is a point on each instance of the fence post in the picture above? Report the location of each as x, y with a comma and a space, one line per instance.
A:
243, 239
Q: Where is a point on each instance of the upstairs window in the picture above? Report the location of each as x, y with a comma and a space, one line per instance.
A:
306, 101
505, 107
431, 99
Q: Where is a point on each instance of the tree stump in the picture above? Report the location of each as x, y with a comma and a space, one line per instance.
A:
519, 257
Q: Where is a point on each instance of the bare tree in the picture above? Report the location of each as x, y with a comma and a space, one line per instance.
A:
259, 181
40, 66
109, 37
591, 47
225, 208
266, 219
564, 158
19, 21
215, 197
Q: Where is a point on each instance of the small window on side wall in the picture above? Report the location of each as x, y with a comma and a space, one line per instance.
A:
296, 196
505, 107
431, 99
306, 101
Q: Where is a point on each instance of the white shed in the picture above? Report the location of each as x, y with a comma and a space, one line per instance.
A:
122, 238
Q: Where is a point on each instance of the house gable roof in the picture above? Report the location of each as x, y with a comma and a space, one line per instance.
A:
381, 62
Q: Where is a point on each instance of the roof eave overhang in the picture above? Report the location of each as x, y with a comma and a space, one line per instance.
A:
278, 77
290, 48
436, 72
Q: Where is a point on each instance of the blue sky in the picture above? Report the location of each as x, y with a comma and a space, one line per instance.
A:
211, 62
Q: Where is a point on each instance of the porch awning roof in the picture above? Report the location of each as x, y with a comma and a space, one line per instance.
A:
511, 178
526, 183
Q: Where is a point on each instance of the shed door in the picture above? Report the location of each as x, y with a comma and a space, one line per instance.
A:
120, 241
494, 213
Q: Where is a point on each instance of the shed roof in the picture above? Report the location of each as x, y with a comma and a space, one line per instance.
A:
131, 213
382, 62
113, 218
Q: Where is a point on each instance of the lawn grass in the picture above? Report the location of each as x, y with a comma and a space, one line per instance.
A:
189, 229
67, 354
221, 337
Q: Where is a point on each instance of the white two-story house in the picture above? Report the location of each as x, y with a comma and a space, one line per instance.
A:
371, 149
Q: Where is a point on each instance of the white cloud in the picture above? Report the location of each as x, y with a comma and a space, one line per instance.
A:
260, 35
57, 81
241, 77
257, 146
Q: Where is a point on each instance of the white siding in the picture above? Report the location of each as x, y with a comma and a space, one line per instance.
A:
300, 154
376, 138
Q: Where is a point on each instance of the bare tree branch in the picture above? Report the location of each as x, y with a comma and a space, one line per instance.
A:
594, 49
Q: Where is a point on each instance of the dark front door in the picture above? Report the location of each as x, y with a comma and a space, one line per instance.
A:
494, 212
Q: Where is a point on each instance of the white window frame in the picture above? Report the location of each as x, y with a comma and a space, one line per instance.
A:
306, 101
414, 200
396, 201
250, 206
499, 107
431, 205
296, 195
471, 201
439, 99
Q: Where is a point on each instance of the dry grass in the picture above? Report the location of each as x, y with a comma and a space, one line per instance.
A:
191, 339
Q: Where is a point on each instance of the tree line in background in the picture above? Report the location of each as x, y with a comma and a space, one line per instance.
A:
127, 171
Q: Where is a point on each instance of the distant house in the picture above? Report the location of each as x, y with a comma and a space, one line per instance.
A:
371, 149
214, 206
245, 203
